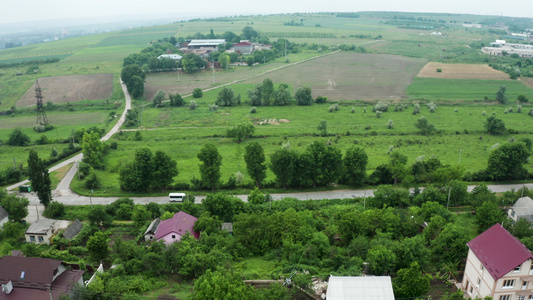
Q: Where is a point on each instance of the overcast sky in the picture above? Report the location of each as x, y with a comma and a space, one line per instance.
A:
32, 10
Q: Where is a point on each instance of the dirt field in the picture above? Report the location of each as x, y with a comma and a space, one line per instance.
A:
461, 71
71, 88
351, 76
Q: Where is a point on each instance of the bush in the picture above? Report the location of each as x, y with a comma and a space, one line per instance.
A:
197, 93
193, 105
321, 99
522, 98
18, 138
92, 182
55, 210
253, 110
381, 106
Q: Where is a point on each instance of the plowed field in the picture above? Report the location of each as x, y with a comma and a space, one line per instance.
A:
70, 88
461, 71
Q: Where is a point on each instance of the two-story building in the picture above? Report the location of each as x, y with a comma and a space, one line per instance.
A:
499, 266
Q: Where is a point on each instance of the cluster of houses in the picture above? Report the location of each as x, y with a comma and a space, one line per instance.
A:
204, 47
498, 265
499, 47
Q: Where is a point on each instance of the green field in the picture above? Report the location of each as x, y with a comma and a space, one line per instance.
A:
464, 89
361, 79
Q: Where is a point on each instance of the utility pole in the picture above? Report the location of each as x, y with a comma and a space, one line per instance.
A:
91, 199
213, 67
460, 154
449, 194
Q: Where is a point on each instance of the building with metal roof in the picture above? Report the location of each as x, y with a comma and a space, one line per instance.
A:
523, 208
40, 232
360, 288
4, 216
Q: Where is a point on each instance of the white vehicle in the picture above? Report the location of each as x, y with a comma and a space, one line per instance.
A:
176, 197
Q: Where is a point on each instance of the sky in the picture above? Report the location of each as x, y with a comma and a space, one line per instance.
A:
12, 11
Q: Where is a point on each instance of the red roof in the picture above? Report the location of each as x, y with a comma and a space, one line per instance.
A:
28, 271
499, 251
180, 223
242, 44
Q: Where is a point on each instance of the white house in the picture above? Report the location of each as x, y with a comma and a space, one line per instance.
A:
40, 232
171, 56
499, 266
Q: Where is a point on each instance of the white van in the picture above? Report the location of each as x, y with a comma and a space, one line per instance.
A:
176, 197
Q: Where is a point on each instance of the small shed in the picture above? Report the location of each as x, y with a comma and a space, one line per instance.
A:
4, 216
523, 208
360, 288
228, 227
150, 231
73, 229
40, 232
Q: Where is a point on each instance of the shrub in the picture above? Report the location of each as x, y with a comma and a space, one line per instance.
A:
92, 181
519, 108
55, 210
197, 93
416, 109
353, 110
193, 105
18, 138
321, 99
331, 108
381, 106
378, 113
522, 98
253, 110
213, 107
390, 124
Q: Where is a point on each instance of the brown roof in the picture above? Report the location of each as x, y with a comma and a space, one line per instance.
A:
38, 277
31, 272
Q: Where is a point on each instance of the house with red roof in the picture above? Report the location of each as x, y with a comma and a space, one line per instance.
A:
498, 266
24, 278
244, 47
171, 230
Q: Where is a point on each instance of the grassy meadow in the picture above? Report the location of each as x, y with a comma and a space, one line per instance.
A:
385, 73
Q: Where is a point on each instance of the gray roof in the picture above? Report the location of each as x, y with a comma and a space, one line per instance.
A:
207, 43
3, 213
153, 226
40, 227
360, 288
227, 226
523, 208
73, 229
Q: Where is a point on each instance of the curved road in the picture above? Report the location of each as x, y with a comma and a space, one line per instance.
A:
64, 195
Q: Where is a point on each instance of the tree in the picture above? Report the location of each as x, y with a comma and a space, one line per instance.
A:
18, 138
192, 62
323, 127
133, 77
381, 260
283, 164
282, 96
241, 131
507, 162
165, 169
250, 61
522, 98
137, 175
355, 161
450, 245
176, 100
500, 95
223, 206
254, 157
254, 96
389, 195
97, 246
267, 91
140, 215
424, 126
226, 97
39, 177
219, 284
210, 166
158, 98
99, 217
397, 165
92, 149
197, 93
256, 197
495, 126
325, 163
16, 207
303, 96
487, 215
411, 283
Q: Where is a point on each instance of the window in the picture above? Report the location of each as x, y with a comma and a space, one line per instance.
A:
521, 297
530, 297
40, 239
508, 283
471, 289
32, 238
173, 236
478, 281
151, 237
505, 297
517, 268
482, 267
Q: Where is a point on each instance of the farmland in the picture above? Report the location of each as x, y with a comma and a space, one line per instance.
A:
461, 71
71, 88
